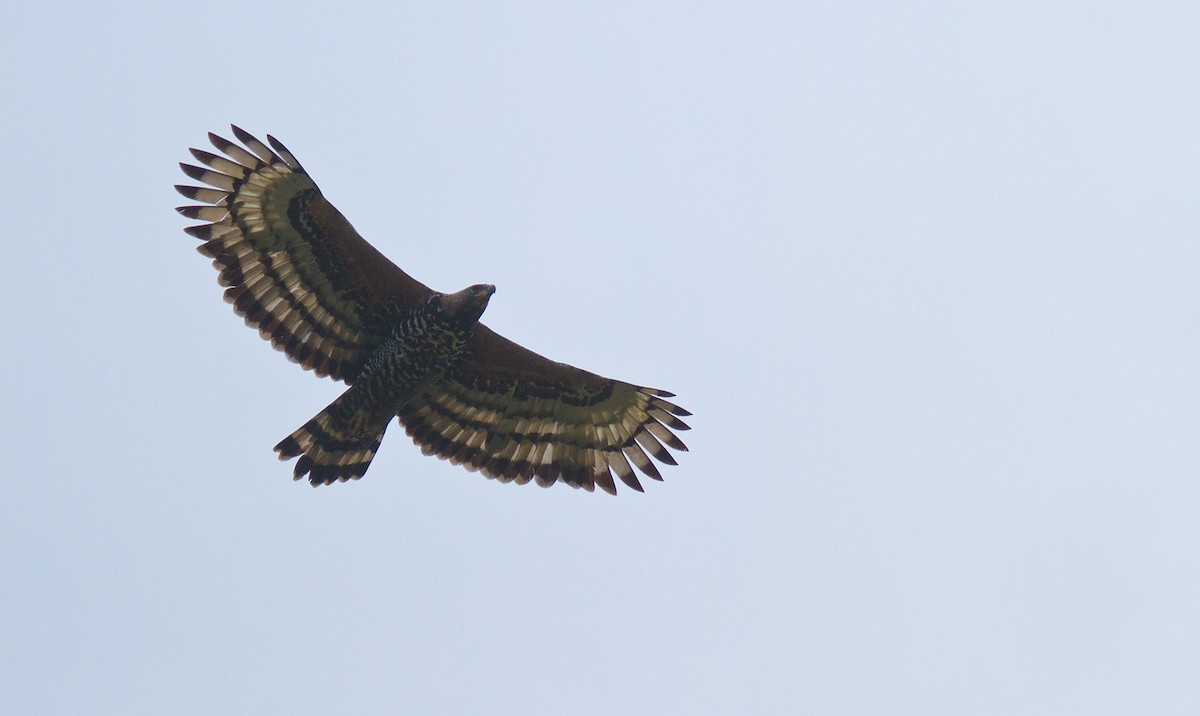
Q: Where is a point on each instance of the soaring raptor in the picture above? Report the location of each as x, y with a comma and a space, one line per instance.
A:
298, 272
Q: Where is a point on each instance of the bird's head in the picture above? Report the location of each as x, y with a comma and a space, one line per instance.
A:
466, 306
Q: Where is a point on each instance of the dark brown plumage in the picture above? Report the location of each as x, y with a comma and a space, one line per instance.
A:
296, 270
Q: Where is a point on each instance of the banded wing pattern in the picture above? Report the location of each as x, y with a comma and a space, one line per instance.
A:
294, 267
516, 416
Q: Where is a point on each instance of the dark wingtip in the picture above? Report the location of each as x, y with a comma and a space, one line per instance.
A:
192, 170
202, 156
287, 448
303, 466
192, 212
605, 482
651, 470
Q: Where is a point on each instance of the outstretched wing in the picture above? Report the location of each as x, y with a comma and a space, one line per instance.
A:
515, 416
296, 269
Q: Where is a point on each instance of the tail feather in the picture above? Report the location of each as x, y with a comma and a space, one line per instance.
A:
337, 445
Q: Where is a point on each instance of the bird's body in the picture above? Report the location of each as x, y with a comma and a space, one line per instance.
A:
423, 345
298, 271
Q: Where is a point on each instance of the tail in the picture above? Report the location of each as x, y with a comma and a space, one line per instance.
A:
339, 443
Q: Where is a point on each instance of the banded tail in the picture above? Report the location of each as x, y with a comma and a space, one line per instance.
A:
339, 443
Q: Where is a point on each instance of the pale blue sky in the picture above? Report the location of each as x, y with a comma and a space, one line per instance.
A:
924, 272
